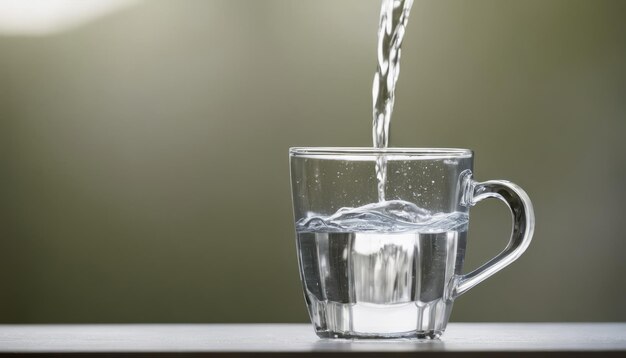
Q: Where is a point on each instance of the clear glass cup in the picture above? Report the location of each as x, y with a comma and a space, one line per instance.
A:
392, 268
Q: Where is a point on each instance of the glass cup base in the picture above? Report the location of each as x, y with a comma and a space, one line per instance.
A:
420, 335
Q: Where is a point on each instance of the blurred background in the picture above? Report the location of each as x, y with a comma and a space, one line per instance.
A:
143, 148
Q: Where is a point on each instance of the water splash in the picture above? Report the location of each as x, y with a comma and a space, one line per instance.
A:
388, 216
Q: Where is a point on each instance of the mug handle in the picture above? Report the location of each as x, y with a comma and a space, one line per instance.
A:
523, 226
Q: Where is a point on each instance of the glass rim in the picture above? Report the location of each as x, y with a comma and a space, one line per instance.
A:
329, 152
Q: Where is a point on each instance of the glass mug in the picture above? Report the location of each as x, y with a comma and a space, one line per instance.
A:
392, 268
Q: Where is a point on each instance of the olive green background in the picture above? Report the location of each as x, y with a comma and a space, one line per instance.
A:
143, 156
